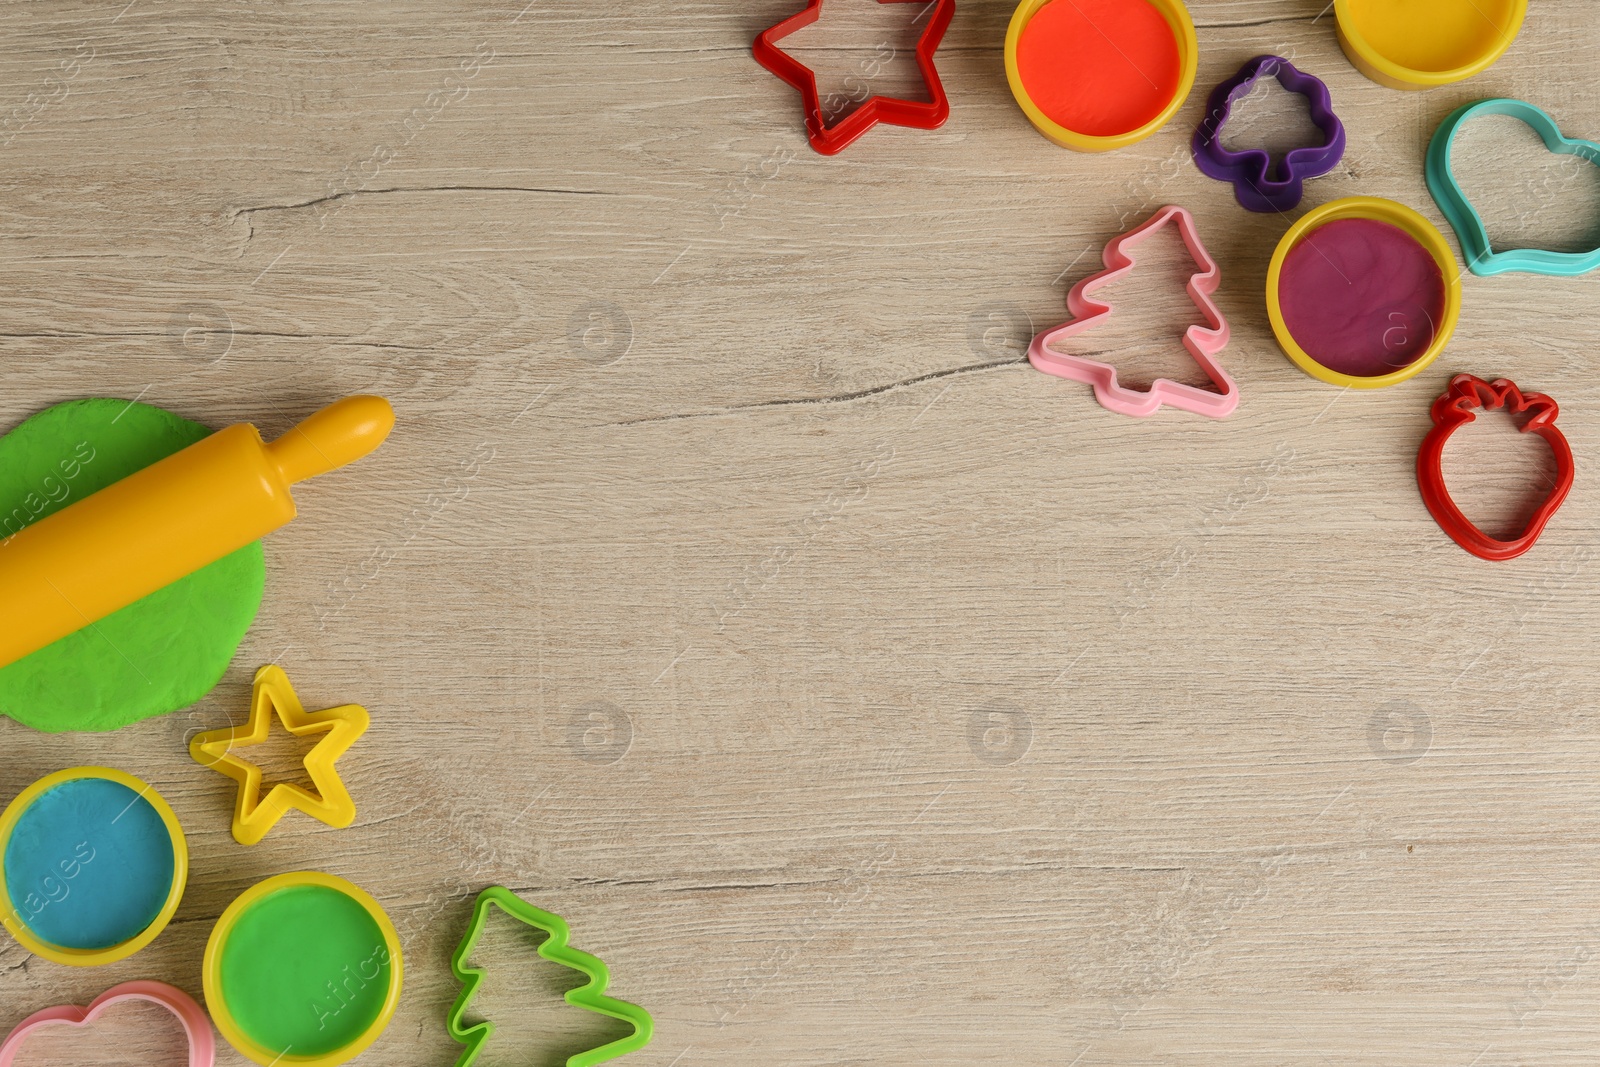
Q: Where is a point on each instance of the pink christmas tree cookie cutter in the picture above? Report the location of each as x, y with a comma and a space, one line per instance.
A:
196, 1024
1202, 341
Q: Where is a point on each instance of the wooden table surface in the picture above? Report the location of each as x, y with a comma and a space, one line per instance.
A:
733, 588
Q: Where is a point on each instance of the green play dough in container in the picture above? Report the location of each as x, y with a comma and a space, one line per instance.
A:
306, 969
156, 655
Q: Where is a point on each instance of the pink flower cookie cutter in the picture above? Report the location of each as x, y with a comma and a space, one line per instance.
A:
196, 1024
1202, 341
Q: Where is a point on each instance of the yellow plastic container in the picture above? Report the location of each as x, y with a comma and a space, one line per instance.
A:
95, 848
1378, 210
1188, 49
319, 965
75, 567
1420, 44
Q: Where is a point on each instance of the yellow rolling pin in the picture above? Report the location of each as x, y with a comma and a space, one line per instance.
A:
113, 547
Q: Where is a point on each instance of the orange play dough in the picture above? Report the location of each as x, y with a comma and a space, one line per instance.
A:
1099, 67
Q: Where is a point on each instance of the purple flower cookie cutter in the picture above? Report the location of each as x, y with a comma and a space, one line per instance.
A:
1258, 184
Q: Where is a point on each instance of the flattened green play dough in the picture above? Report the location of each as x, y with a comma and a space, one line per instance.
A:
305, 969
156, 655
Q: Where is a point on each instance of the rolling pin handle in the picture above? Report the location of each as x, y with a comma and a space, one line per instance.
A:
340, 433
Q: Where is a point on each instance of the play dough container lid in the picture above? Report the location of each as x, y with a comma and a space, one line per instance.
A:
302, 969
94, 864
1363, 293
1418, 44
1094, 75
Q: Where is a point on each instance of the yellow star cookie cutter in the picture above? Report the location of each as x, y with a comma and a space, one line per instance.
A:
254, 815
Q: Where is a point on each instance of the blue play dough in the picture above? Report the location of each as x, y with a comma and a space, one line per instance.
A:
89, 864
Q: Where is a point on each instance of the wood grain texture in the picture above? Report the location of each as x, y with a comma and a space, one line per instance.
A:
732, 588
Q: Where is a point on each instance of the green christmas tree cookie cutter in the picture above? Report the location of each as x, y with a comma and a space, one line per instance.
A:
589, 996
1481, 257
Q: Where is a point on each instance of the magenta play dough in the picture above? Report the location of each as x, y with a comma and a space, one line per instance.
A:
1362, 297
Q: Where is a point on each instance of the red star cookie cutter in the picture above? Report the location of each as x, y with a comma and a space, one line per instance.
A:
831, 140
1454, 410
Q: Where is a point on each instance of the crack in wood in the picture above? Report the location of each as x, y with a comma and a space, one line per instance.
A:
837, 398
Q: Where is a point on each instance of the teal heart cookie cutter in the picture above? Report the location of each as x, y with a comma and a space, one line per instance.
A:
1481, 257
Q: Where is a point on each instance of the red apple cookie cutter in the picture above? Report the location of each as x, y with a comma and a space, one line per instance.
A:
1454, 410
831, 140
202, 1045
1203, 342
